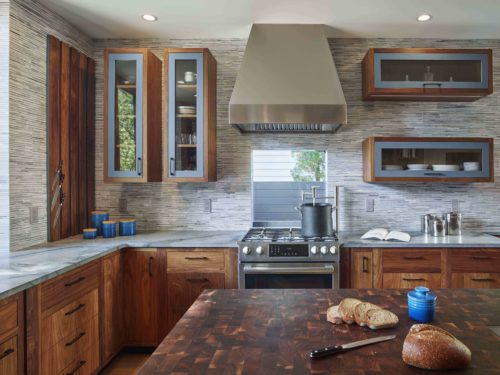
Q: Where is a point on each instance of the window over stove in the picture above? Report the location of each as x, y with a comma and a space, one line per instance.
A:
278, 178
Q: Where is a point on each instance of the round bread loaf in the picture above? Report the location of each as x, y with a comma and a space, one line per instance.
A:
433, 348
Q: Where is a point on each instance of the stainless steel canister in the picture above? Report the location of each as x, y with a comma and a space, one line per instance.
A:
453, 223
426, 223
438, 227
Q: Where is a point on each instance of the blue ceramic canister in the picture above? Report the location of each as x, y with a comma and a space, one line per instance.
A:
422, 304
127, 227
109, 229
90, 234
96, 219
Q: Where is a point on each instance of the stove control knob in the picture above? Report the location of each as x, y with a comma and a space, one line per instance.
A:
324, 250
259, 250
246, 250
333, 250
314, 250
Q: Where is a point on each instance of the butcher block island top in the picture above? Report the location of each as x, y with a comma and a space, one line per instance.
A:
272, 332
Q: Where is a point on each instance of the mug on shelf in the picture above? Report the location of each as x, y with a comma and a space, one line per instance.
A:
189, 77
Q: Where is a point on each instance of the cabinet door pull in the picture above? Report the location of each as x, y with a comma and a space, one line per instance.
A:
196, 258
198, 279
172, 167
71, 283
139, 166
434, 174
486, 279
481, 257
365, 264
415, 279
150, 266
6, 353
432, 84
413, 258
80, 306
75, 339
80, 364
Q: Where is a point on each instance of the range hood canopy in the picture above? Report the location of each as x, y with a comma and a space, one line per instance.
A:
287, 82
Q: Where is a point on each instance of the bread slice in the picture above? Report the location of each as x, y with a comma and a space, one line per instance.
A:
346, 309
381, 318
430, 347
333, 315
360, 312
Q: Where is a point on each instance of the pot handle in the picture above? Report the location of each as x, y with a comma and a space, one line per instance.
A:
298, 209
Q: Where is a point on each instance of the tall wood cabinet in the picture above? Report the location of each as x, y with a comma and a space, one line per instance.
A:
190, 115
132, 115
12, 335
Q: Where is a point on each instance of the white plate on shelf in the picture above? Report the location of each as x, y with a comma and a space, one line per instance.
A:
418, 167
390, 167
472, 166
446, 167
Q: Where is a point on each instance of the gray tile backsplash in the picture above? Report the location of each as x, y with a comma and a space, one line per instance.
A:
4, 122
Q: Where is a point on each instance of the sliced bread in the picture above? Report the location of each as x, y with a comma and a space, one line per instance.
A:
360, 312
333, 315
346, 309
381, 318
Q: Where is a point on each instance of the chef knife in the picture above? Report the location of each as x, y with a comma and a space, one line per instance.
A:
329, 350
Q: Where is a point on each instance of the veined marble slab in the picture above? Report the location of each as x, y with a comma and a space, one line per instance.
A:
23, 269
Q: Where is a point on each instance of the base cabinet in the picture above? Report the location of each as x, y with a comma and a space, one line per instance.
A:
411, 280
475, 280
12, 335
9, 356
361, 269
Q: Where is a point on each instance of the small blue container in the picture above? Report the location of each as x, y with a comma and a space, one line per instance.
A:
422, 304
127, 227
96, 219
109, 229
90, 234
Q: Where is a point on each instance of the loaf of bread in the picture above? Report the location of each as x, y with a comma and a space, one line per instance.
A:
333, 315
360, 312
346, 309
433, 348
381, 318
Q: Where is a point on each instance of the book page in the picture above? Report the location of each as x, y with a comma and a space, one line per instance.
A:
375, 233
398, 236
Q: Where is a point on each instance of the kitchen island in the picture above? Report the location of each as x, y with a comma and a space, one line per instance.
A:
272, 332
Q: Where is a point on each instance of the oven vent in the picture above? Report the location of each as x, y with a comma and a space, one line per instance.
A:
286, 128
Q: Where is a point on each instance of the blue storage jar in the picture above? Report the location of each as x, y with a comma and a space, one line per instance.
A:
109, 229
422, 304
127, 227
90, 234
96, 219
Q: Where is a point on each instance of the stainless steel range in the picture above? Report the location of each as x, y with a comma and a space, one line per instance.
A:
281, 258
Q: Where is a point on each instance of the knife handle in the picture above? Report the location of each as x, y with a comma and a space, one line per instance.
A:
323, 352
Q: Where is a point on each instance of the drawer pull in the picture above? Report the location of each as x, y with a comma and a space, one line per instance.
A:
198, 279
71, 283
365, 264
479, 257
413, 258
80, 364
80, 306
415, 279
196, 258
150, 266
6, 353
482, 279
75, 339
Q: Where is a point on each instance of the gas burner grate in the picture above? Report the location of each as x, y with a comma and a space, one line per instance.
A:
282, 235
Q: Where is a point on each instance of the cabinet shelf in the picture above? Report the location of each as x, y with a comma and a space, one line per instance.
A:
185, 86
125, 86
187, 145
185, 116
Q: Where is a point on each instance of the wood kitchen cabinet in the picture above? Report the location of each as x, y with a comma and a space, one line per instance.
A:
12, 335
361, 268
427, 74
191, 115
132, 116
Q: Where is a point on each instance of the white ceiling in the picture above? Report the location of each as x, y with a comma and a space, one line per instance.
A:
452, 19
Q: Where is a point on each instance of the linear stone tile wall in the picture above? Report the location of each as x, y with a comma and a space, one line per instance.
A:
30, 23
175, 206
4, 125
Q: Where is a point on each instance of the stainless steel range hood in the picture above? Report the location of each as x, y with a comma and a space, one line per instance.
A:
287, 82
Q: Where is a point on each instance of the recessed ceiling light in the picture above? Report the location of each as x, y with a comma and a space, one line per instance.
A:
424, 17
149, 17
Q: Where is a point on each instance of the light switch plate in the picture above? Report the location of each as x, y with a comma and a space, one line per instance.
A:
369, 205
33, 213
207, 205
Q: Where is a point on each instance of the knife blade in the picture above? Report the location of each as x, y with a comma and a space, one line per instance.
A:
330, 350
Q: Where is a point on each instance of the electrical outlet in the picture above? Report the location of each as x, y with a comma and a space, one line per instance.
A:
369, 205
455, 205
33, 213
122, 205
207, 205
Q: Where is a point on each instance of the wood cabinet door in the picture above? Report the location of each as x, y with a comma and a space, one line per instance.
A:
184, 289
411, 280
141, 296
361, 269
112, 310
8, 356
475, 280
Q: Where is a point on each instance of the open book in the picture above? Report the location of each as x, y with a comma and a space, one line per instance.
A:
384, 235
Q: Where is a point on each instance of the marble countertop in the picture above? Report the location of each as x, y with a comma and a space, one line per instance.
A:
466, 240
22, 269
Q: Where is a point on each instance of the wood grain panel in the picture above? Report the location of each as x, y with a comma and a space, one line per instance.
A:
8, 357
85, 363
9, 316
74, 132
411, 260
153, 152
361, 269
90, 151
65, 138
474, 260
475, 280
411, 280
82, 141
195, 260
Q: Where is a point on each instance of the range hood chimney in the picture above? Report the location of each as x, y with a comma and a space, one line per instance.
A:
287, 82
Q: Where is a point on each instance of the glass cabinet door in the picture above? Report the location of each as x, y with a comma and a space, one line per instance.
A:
125, 115
432, 159
431, 70
185, 115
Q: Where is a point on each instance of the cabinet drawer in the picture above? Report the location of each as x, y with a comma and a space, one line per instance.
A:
8, 315
195, 260
68, 351
85, 364
8, 356
411, 260
65, 288
411, 280
69, 320
474, 260
475, 280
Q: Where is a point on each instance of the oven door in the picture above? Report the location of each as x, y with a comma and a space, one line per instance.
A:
288, 276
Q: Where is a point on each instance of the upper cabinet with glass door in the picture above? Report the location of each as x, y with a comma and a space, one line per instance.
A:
427, 74
191, 116
132, 116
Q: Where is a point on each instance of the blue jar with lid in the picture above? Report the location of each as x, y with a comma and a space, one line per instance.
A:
422, 304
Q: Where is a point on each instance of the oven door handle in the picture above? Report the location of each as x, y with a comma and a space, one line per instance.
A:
261, 269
